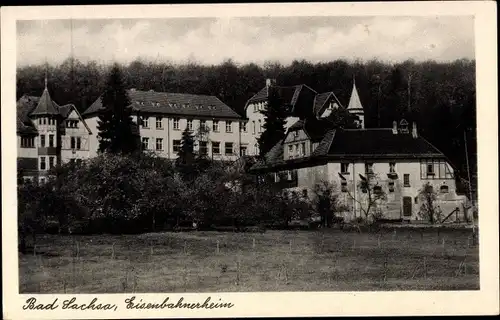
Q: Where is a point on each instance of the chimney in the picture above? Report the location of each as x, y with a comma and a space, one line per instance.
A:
414, 130
394, 127
270, 82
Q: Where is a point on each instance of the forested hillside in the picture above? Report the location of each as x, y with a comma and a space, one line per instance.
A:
440, 97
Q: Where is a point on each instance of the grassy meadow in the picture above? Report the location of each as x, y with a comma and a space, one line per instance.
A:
323, 260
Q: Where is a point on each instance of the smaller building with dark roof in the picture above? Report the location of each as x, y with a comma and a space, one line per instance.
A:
397, 162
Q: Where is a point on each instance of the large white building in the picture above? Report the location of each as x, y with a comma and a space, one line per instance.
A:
161, 118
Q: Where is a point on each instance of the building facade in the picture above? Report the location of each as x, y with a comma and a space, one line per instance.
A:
48, 134
300, 101
397, 162
162, 117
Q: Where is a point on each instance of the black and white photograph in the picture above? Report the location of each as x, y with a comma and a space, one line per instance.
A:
222, 154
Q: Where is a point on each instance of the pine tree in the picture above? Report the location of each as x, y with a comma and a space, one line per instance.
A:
186, 157
274, 122
115, 125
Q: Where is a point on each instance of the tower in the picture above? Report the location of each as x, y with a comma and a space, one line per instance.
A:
46, 118
355, 107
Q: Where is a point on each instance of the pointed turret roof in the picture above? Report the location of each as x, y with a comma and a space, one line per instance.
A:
45, 105
354, 102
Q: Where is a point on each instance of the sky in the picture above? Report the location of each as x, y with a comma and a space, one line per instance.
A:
245, 40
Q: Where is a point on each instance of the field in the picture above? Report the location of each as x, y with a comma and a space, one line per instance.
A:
330, 260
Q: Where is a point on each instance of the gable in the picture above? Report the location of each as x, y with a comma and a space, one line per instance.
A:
295, 136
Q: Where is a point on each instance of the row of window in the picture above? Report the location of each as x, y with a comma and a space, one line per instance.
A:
344, 167
203, 146
43, 163
296, 150
390, 186
175, 105
28, 142
48, 121
144, 123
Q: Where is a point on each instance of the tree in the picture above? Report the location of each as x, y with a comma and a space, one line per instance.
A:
327, 202
115, 125
274, 122
186, 156
428, 208
340, 118
370, 196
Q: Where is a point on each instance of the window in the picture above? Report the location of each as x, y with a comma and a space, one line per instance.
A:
344, 167
290, 151
176, 123
368, 168
243, 150
243, 126
159, 122
44, 121
145, 143
430, 169
377, 189
229, 126
260, 126
215, 126
392, 167
42, 140
78, 143
71, 123
253, 127
73, 143
177, 145
203, 148
27, 142
51, 162
216, 147
51, 140
444, 189
228, 148
190, 125
159, 144
203, 124
303, 149
145, 122
43, 165
39, 120
406, 180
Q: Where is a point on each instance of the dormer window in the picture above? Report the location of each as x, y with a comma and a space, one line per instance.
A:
344, 168
369, 168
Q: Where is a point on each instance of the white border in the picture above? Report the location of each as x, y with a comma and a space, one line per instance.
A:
484, 301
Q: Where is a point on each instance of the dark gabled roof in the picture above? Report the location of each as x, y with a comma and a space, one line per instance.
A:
380, 143
24, 106
173, 103
314, 128
320, 100
357, 144
45, 105
289, 94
